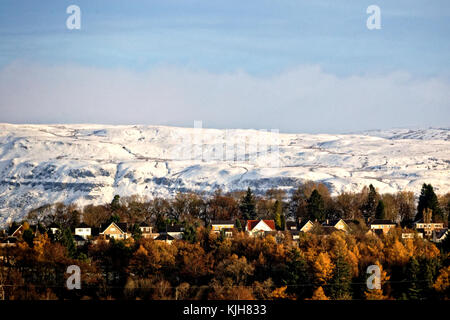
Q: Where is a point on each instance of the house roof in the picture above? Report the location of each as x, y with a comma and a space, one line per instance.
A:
331, 223
382, 221
290, 224
122, 226
175, 228
252, 224
421, 221
164, 237
54, 225
222, 222
78, 238
144, 224
440, 233
82, 225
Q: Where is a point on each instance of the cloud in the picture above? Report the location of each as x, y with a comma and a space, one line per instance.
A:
303, 99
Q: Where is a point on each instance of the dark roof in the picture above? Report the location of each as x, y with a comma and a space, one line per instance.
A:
439, 233
53, 225
164, 237
9, 240
175, 228
302, 223
330, 223
290, 224
78, 238
122, 226
82, 225
144, 224
222, 222
382, 221
13, 230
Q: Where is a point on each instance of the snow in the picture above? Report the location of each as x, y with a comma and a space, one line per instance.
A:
85, 164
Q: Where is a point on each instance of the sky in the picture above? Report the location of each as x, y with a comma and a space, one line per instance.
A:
291, 65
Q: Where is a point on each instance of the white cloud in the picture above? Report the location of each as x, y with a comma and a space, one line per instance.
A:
304, 99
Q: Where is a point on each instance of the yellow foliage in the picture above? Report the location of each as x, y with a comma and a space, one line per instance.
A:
323, 268
280, 293
443, 280
319, 295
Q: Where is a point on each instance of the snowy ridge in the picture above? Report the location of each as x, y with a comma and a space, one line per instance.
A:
85, 164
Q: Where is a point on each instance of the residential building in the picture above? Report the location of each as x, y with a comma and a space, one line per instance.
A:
259, 227
226, 226
381, 226
428, 227
117, 231
83, 230
338, 224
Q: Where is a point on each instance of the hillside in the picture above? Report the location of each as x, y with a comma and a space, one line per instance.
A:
90, 163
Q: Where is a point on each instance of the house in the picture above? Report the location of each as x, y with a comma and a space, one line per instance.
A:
83, 230
16, 232
259, 227
291, 226
225, 226
339, 224
439, 235
117, 231
306, 226
428, 227
146, 230
411, 235
79, 240
381, 226
167, 238
54, 228
176, 231
8, 242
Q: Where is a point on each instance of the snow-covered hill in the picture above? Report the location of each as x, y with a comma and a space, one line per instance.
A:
90, 163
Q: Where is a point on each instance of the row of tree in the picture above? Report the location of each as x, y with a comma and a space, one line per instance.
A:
310, 201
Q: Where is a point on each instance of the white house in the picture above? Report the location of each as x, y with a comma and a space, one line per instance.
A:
83, 230
259, 227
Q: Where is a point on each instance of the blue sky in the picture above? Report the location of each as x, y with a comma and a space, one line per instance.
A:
261, 40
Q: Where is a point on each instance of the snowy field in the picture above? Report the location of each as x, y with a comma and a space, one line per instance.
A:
85, 164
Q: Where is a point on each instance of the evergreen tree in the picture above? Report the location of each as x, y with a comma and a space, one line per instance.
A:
66, 239
428, 200
238, 225
115, 203
316, 206
28, 237
369, 207
340, 283
414, 288
248, 206
380, 211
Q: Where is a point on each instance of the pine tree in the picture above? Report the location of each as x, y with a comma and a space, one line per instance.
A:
115, 203
414, 291
248, 206
369, 208
316, 206
341, 280
238, 225
380, 211
428, 200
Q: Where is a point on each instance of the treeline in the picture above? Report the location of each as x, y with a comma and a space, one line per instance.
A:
310, 201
